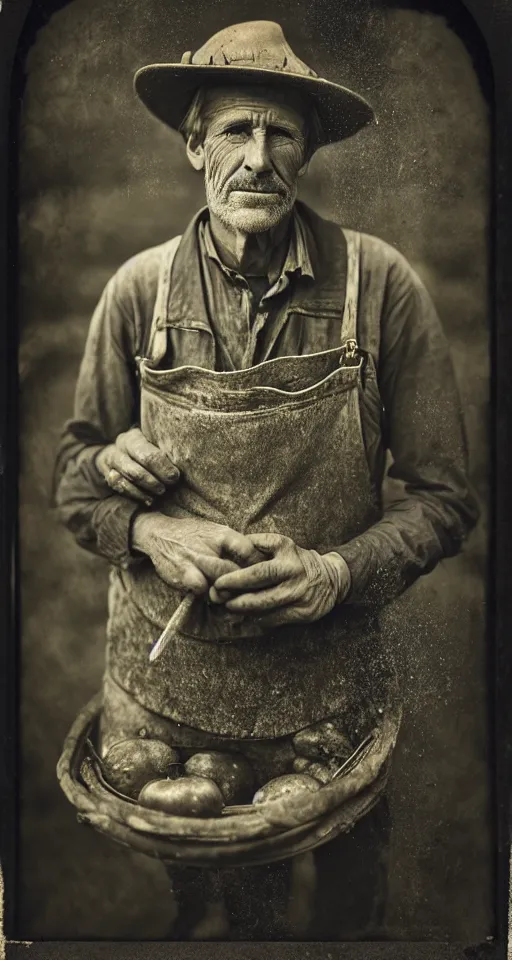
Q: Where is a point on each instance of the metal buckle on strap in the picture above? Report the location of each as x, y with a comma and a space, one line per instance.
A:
138, 362
351, 355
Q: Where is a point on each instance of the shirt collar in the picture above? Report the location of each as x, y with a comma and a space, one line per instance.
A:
185, 305
298, 260
298, 254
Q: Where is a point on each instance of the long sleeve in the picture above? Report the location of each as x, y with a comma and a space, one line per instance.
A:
432, 516
105, 406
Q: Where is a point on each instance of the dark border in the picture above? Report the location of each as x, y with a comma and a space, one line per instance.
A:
19, 20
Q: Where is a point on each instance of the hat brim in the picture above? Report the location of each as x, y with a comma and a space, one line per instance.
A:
167, 89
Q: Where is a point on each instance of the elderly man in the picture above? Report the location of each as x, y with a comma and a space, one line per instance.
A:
240, 387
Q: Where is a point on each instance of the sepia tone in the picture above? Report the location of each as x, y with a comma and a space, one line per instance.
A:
101, 181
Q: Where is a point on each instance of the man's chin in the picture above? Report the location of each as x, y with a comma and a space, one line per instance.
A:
253, 218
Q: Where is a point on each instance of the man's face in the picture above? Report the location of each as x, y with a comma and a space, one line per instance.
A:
254, 148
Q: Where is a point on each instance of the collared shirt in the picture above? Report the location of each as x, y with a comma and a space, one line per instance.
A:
413, 409
244, 312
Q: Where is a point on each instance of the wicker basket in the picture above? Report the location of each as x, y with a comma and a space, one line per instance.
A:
242, 835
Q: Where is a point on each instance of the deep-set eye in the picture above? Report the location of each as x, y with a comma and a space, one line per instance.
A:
274, 131
238, 130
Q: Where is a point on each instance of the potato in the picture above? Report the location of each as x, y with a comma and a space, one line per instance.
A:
322, 741
301, 764
231, 772
188, 797
321, 772
291, 785
130, 764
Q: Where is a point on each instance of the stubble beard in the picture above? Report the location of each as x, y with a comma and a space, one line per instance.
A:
236, 215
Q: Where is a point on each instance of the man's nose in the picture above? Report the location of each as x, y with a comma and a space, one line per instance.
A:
257, 155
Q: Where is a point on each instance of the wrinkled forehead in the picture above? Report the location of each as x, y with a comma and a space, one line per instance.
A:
222, 103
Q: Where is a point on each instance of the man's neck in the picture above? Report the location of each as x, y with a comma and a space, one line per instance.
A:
252, 254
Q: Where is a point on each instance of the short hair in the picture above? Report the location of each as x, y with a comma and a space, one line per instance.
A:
194, 120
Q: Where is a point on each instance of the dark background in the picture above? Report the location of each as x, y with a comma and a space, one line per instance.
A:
100, 180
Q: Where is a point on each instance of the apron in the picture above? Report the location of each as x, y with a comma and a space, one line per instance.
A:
277, 448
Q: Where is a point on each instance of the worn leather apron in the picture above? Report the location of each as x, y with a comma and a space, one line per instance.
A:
274, 448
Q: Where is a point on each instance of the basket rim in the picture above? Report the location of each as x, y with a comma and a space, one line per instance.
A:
239, 853
277, 819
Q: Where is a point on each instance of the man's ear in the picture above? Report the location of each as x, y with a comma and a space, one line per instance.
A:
195, 152
304, 168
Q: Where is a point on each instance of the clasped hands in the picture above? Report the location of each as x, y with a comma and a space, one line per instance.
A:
265, 576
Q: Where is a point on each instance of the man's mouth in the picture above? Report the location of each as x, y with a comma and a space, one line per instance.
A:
255, 198
271, 191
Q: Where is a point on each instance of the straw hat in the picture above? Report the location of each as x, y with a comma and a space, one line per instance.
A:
255, 53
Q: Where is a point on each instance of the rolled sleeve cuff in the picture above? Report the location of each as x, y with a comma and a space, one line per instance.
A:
360, 561
377, 574
113, 521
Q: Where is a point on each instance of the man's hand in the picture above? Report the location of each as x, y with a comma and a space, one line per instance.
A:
191, 554
136, 468
291, 586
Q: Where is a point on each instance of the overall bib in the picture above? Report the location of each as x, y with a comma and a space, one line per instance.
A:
277, 448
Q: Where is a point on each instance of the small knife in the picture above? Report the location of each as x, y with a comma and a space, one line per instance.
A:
175, 623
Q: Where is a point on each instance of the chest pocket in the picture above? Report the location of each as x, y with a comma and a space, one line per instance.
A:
308, 332
189, 347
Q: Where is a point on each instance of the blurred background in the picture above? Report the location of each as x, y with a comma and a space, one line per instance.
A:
100, 180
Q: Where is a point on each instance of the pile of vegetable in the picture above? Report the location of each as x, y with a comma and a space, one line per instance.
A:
161, 777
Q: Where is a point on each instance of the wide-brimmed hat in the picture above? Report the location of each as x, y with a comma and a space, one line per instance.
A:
255, 53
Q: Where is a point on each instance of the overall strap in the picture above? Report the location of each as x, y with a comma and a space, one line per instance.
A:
157, 340
349, 321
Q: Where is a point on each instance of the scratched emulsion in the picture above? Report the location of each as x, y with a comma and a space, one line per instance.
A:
101, 180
